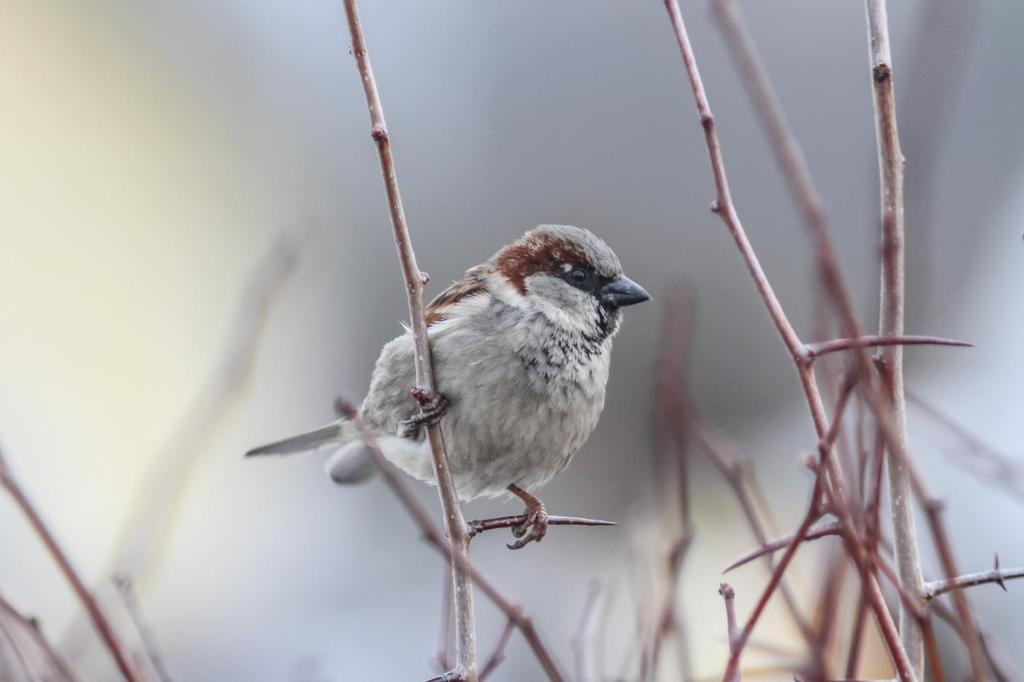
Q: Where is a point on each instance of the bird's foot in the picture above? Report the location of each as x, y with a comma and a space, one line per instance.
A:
432, 408
535, 524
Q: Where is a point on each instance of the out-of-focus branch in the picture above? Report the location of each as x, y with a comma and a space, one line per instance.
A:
977, 456
671, 425
437, 540
154, 506
997, 575
126, 589
96, 615
11, 619
455, 524
586, 645
740, 640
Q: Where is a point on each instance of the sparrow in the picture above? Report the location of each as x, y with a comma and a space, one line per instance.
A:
521, 347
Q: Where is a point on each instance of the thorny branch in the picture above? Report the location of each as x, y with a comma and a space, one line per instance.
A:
997, 575
455, 524
891, 319
725, 208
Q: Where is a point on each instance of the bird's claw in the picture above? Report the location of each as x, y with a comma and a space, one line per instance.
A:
533, 528
432, 409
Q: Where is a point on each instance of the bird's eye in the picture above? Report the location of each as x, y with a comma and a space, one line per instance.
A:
578, 276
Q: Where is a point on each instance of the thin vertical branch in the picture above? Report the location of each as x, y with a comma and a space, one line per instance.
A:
455, 524
891, 319
732, 630
99, 619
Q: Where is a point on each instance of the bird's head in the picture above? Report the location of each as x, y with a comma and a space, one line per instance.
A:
568, 274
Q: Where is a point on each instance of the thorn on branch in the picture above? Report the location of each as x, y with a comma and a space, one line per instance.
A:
482, 525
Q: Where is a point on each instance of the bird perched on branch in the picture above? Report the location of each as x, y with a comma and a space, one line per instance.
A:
521, 347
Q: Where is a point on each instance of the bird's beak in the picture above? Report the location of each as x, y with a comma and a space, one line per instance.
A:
622, 292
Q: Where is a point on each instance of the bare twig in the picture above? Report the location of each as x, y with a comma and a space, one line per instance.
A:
482, 525
782, 543
737, 643
126, 588
996, 575
455, 524
815, 350
729, 595
891, 317
96, 615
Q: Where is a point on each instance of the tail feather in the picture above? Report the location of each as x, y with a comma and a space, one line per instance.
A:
338, 432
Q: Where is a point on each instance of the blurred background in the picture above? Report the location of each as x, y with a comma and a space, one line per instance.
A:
196, 259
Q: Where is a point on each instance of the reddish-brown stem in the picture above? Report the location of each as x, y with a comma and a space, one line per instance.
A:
815, 350
856, 639
99, 619
712, 443
455, 524
775, 545
740, 641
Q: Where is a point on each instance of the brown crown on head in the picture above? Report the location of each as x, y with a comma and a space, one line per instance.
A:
536, 251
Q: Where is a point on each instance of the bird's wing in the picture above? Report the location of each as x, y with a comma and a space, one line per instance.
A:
471, 284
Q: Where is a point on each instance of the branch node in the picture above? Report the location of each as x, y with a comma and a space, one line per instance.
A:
379, 133
881, 72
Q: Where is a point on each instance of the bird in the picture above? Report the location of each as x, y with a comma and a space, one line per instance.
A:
521, 347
